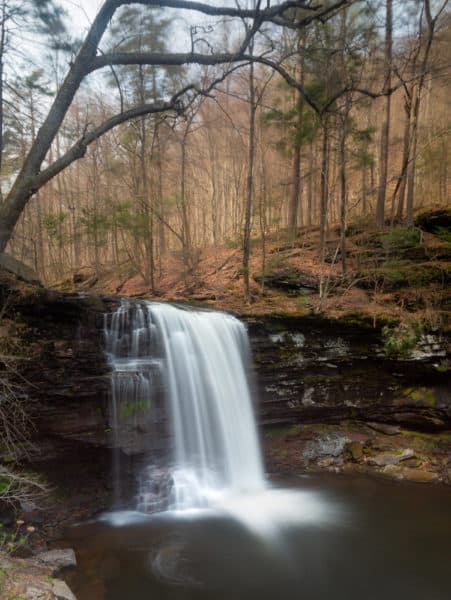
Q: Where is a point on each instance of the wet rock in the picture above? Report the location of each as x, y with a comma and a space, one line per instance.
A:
330, 444
419, 475
355, 450
385, 429
412, 462
61, 591
326, 462
339, 373
39, 591
408, 474
26, 579
57, 559
385, 459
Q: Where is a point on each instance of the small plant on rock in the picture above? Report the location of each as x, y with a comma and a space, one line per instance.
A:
10, 541
401, 340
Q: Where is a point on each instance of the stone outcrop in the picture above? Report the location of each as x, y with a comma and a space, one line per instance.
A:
308, 370
312, 370
32, 579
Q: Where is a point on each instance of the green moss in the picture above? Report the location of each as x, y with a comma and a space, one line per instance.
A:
303, 302
133, 407
444, 233
397, 263
287, 431
280, 452
424, 395
5, 484
427, 442
295, 430
444, 436
399, 239
393, 277
275, 433
357, 320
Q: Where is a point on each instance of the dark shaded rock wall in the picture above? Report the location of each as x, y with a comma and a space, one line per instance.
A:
314, 370
67, 374
308, 370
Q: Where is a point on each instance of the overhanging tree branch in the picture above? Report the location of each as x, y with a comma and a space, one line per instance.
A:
78, 150
87, 60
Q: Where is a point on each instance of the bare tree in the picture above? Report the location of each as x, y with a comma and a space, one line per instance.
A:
33, 174
383, 161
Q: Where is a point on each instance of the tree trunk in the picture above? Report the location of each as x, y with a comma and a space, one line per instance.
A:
343, 184
24, 185
2, 51
295, 200
401, 185
249, 185
385, 135
186, 234
310, 184
160, 203
324, 201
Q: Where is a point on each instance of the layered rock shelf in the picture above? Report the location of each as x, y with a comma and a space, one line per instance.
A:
308, 371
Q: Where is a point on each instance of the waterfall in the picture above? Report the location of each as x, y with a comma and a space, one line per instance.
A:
201, 358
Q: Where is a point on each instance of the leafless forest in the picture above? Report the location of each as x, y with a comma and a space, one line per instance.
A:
344, 120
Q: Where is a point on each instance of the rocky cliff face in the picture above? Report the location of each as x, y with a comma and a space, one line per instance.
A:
66, 366
312, 370
308, 370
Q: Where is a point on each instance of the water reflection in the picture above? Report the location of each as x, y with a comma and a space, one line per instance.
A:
343, 538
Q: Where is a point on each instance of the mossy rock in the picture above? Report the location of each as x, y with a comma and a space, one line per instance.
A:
357, 319
410, 474
355, 451
434, 221
288, 278
394, 275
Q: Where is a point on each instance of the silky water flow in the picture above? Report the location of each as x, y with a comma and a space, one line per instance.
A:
200, 359
206, 524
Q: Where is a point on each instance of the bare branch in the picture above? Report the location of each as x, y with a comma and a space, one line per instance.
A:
78, 150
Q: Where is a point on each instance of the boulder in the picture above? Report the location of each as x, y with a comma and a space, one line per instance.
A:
408, 474
384, 459
39, 591
434, 220
356, 451
385, 429
61, 591
57, 559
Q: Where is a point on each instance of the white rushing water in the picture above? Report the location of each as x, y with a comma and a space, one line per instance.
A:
202, 358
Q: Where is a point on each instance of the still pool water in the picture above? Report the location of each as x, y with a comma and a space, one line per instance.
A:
318, 538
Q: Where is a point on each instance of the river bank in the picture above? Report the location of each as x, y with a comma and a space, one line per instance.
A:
330, 400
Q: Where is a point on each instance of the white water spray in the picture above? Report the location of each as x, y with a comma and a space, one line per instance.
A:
203, 356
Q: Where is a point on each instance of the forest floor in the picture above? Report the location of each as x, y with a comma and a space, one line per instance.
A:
393, 276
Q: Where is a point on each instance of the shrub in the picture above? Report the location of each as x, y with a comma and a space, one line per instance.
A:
400, 239
401, 340
444, 233
16, 488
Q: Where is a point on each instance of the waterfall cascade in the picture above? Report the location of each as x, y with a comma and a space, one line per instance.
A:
201, 358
